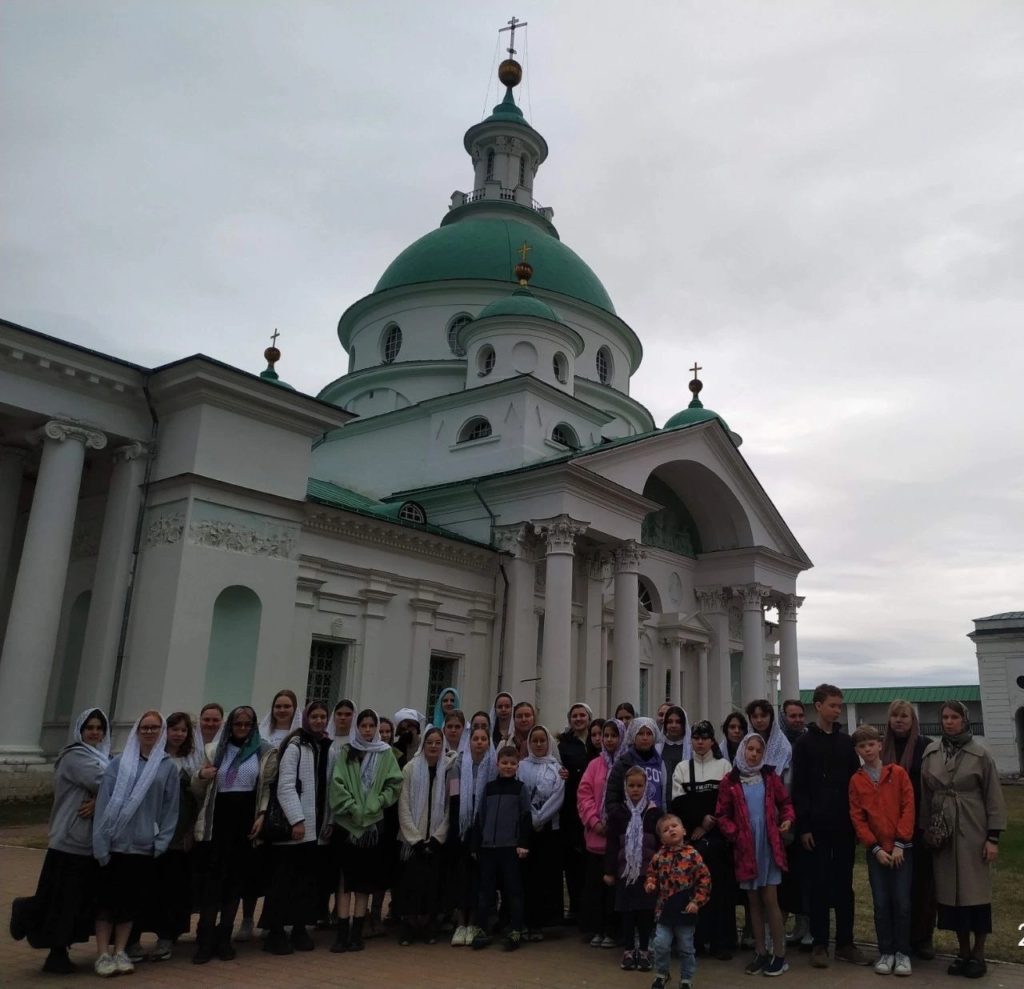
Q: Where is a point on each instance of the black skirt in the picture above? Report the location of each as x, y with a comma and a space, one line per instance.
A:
363, 865
975, 919
226, 861
63, 911
292, 892
168, 912
542, 880
123, 885
419, 884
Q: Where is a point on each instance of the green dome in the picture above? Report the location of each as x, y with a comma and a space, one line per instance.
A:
691, 415
522, 302
272, 376
486, 249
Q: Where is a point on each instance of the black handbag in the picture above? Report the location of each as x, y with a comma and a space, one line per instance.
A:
276, 828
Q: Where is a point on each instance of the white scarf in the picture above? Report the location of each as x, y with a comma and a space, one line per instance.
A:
372, 748
419, 788
267, 724
778, 750
540, 774
101, 751
135, 776
471, 788
635, 838
749, 774
684, 741
494, 716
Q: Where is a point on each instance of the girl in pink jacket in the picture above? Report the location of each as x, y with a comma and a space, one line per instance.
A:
597, 913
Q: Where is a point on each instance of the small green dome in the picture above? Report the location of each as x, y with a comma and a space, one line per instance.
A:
694, 413
485, 248
507, 109
272, 376
522, 302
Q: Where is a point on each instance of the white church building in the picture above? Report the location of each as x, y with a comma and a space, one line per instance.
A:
478, 501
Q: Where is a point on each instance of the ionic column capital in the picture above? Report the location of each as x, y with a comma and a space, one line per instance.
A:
788, 605
131, 451
60, 430
627, 556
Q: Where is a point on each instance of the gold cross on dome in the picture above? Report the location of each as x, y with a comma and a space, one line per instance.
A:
696, 367
522, 252
273, 337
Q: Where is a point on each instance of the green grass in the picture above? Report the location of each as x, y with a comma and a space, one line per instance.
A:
18, 813
1007, 891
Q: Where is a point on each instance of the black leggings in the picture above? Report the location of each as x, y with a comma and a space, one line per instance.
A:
636, 923
501, 865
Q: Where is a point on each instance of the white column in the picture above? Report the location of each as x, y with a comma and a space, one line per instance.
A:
110, 584
851, 718
703, 699
626, 657
554, 695
12, 468
714, 603
38, 593
520, 661
789, 666
752, 678
595, 573
675, 666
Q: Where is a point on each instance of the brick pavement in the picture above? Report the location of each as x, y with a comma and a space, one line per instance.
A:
562, 963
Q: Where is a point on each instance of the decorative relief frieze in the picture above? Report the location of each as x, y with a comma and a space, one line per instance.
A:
269, 540
165, 530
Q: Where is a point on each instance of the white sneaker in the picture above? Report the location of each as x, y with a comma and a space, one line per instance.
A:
162, 951
595, 941
902, 966
123, 964
105, 966
459, 937
884, 965
244, 931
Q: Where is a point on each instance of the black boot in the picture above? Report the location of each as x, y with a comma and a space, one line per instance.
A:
341, 938
222, 946
277, 943
355, 941
58, 963
301, 941
204, 944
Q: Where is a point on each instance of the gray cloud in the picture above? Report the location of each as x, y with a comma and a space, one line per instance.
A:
822, 202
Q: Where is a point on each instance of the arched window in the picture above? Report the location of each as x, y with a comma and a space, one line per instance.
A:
453, 333
565, 435
604, 365
560, 365
351, 360
477, 428
392, 344
522, 169
412, 512
485, 360
643, 594
234, 641
490, 164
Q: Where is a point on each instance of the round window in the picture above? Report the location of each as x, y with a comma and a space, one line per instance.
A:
392, 344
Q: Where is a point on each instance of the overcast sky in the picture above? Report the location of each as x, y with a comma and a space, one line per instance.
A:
822, 203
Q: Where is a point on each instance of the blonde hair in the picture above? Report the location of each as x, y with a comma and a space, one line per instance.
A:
900, 706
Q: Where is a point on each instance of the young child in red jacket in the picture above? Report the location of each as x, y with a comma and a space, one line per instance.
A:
754, 811
882, 811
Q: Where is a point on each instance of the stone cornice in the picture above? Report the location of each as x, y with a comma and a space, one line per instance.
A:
339, 524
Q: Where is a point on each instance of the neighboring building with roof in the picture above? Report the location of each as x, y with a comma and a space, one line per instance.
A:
999, 644
870, 705
478, 501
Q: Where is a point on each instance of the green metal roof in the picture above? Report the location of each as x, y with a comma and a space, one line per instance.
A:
915, 695
334, 495
692, 414
507, 109
1006, 616
274, 378
522, 302
485, 248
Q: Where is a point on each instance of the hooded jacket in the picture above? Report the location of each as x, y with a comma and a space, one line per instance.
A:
76, 778
734, 820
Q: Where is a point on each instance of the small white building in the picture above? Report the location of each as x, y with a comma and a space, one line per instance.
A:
478, 501
999, 642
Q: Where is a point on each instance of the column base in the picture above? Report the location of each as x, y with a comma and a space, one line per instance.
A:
21, 755
24, 781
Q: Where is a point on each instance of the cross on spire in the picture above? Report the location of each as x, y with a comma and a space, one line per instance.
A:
524, 250
696, 367
273, 337
512, 25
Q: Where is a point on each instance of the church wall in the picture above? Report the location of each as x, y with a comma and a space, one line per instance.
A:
1000, 664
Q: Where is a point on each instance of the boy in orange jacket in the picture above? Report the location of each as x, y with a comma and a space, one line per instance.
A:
882, 811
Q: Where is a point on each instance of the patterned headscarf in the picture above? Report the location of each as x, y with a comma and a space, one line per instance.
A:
951, 744
251, 744
135, 776
372, 749
749, 773
419, 787
635, 832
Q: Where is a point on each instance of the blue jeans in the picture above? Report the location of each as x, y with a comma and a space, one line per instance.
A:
890, 891
683, 937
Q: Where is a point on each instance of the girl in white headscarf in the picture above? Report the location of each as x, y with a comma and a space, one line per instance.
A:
423, 823
136, 816
675, 745
541, 773
503, 728
778, 751
63, 909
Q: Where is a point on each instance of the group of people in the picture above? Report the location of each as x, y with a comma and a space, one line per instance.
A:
659, 829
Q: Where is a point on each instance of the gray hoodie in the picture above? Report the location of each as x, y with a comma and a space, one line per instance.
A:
150, 829
76, 778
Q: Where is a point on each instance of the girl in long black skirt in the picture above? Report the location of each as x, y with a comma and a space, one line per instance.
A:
543, 776
62, 911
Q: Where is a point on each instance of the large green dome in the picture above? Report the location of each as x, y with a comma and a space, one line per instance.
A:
486, 248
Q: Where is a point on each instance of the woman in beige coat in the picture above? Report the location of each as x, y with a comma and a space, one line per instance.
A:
959, 781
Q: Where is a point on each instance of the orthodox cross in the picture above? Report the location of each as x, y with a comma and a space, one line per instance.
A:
273, 338
524, 250
696, 367
512, 25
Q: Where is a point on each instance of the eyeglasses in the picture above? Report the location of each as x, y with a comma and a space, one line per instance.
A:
241, 724
148, 729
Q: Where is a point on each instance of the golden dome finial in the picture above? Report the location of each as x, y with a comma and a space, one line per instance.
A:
524, 270
272, 354
510, 72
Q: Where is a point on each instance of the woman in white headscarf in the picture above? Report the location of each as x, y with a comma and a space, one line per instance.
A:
675, 745
503, 728
541, 773
640, 749
136, 816
63, 910
778, 751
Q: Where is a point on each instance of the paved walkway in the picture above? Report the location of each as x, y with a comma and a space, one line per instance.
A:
554, 964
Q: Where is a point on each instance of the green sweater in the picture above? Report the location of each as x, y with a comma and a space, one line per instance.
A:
354, 810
